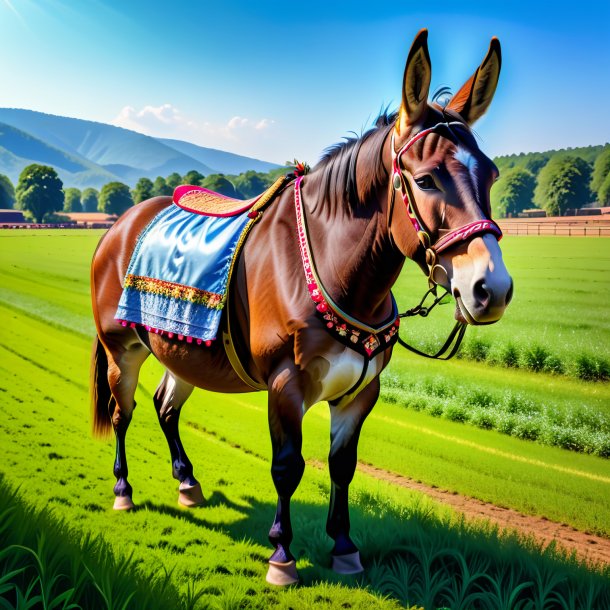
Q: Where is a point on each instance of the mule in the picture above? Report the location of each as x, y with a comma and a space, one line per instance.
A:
416, 185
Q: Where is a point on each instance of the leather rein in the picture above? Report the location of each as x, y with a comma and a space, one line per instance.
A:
432, 250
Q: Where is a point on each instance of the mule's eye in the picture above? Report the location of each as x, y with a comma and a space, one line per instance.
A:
426, 183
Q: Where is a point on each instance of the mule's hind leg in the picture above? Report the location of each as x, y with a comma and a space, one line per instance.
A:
346, 423
123, 368
285, 418
169, 398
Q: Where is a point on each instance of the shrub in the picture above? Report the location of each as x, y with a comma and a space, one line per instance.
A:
535, 357
437, 387
527, 428
506, 423
480, 398
477, 349
483, 418
515, 403
509, 356
435, 407
456, 412
565, 437
553, 364
592, 368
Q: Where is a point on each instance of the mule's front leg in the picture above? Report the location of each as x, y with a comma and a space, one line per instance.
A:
346, 423
285, 418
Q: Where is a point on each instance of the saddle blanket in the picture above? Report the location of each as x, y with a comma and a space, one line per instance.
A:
179, 272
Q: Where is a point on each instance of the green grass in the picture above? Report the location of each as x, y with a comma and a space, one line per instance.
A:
220, 551
578, 428
560, 304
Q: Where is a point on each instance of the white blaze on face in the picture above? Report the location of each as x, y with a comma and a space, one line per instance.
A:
469, 161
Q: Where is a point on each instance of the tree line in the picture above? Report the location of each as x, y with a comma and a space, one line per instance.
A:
41, 194
554, 181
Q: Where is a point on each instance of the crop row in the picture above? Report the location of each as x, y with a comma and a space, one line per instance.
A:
536, 358
579, 429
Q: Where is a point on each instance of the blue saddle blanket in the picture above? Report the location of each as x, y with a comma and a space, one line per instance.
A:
178, 276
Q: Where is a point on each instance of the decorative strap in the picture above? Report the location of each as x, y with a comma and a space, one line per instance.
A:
362, 338
478, 227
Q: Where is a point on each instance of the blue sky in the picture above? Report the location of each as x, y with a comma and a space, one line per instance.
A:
282, 80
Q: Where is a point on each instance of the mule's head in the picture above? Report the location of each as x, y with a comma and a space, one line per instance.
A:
441, 214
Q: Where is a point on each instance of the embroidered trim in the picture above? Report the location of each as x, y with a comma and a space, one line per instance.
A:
360, 337
212, 300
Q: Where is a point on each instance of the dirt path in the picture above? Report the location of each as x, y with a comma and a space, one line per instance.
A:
587, 546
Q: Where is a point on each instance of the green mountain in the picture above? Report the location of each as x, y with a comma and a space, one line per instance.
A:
87, 153
230, 163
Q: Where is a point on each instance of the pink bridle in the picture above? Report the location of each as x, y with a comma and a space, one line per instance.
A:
452, 237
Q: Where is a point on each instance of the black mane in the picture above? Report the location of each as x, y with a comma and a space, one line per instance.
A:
338, 166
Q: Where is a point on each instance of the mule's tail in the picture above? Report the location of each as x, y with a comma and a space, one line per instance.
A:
101, 396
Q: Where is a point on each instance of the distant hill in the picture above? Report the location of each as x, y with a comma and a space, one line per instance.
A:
87, 153
231, 163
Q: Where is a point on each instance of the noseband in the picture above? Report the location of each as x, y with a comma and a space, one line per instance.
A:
451, 237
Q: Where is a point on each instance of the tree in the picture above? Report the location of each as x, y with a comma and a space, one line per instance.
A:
160, 187
39, 191
603, 195
251, 183
513, 193
174, 180
144, 190
219, 184
89, 200
563, 183
193, 177
115, 198
601, 171
7, 192
72, 200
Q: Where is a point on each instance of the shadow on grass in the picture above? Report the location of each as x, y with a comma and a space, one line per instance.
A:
412, 556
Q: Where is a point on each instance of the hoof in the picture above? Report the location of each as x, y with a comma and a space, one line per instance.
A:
123, 503
347, 564
282, 574
190, 495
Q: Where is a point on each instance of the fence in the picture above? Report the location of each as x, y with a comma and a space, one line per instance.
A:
556, 228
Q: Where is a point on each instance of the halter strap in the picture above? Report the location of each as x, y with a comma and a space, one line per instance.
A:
452, 237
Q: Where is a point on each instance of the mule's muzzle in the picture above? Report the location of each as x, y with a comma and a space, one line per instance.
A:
487, 303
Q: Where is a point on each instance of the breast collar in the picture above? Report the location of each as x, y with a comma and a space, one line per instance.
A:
366, 340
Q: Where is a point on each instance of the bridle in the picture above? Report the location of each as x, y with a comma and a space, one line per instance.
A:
431, 250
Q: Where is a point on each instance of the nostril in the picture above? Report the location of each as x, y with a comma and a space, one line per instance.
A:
481, 294
509, 294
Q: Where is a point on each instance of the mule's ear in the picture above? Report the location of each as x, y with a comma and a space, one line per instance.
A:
416, 82
473, 99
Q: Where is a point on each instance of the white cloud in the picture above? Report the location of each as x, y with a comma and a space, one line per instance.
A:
238, 134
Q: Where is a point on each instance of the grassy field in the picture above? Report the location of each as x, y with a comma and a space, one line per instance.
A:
560, 302
221, 549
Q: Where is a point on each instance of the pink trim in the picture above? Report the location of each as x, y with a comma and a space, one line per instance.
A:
158, 331
478, 227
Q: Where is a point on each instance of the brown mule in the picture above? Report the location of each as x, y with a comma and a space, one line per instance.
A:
359, 233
